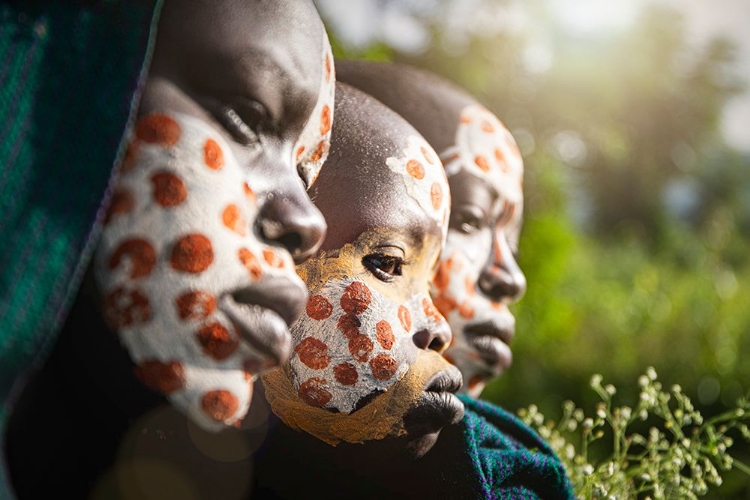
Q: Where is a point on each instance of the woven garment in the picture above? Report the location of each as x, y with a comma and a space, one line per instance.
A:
508, 459
489, 454
70, 74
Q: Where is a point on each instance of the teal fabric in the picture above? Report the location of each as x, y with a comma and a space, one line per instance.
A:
506, 458
70, 74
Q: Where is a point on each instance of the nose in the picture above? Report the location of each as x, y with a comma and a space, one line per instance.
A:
293, 222
501, 279
436, 337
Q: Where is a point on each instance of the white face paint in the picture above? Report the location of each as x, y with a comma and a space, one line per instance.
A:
425, 179
355, 339
312, 148
481, 323
177, 242
354, 342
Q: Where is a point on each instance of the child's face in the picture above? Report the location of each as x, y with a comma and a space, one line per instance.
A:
196, 260
365, 353
478, 276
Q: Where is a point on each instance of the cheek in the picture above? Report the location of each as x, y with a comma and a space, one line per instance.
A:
176, 237
350, 343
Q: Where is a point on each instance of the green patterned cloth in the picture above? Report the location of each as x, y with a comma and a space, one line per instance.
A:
70, 75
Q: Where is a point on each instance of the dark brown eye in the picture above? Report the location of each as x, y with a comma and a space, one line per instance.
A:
384, 267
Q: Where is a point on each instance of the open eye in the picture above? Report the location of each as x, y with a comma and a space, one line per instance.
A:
384, 267
243, 118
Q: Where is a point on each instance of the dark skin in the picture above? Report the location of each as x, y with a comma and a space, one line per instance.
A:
359, 195
84, 423
480, 216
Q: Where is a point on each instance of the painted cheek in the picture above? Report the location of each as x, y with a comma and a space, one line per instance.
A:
179, 220
347, 345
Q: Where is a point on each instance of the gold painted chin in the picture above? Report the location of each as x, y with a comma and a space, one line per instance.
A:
380, 419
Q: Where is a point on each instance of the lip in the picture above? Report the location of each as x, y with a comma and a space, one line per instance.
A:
437, 406
262, 314
491, 340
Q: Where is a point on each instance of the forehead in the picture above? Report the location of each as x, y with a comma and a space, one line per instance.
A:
289, 32
485, 148
380, 174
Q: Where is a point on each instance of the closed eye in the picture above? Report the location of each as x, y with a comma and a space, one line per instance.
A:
384, 267
243, 119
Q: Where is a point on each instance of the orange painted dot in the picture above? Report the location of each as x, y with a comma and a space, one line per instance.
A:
430, 311
496, 305
328, 67
345, 374
313, 392
356, 298
318, 307
499, 156
383, 367
233, 219
436, 195
487, 127
192, 253
162, 377
250, 194
139, 255
481, 162
313, 353
445, 304
251, 263
131, 156
124, 308
415, 169
443, 275
470, 286
213, 155
216, 341
465, 119
169, 190
158, 129
195, 305
320, 150
349, 325
360, 347
384, 334
427, 155
220, 405
273, 259
122, 203
404, 316
300, 152
325, 120
465, 310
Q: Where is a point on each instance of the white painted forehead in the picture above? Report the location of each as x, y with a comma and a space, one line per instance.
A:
424, 177
484, 147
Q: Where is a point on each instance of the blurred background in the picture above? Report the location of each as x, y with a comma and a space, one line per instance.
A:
634, 120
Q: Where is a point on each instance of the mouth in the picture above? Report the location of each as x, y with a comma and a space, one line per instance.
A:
438, 406
262, 314
491, 341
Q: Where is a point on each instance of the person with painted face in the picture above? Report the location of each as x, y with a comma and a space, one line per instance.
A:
478, 276
193, 269
366, 401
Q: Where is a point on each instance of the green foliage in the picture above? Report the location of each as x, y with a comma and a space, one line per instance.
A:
617, 281
680, 456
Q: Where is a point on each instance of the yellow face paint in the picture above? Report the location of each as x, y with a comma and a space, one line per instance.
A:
380, 419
